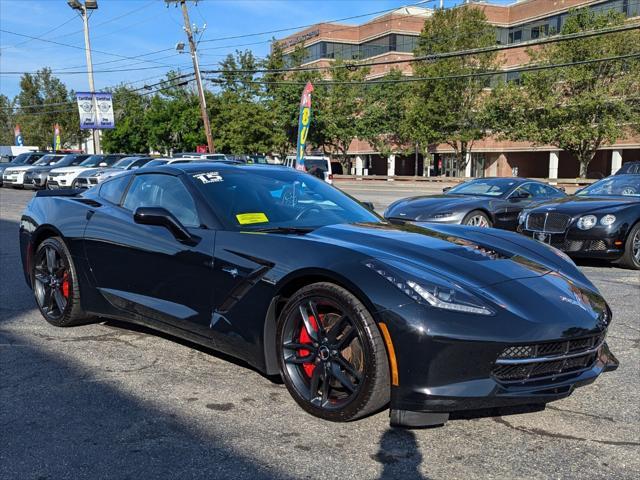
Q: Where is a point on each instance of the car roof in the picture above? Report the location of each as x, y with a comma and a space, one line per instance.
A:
204, 166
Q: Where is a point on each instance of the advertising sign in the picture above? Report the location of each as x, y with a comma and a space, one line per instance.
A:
303, 124
96, 110
18, 136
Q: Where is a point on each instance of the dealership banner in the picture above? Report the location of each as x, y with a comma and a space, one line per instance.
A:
96, 110
17, 134
303, 124
57, 144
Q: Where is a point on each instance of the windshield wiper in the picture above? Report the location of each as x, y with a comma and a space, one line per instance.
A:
285, 230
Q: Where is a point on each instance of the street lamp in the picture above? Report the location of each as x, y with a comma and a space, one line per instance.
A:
82, 9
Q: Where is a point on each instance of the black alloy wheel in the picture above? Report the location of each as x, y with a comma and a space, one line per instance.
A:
332, 356
55, 284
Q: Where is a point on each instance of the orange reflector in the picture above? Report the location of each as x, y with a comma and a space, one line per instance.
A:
392, 354
618, 243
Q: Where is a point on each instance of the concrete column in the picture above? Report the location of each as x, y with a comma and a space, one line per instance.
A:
616, 161
391, 166
358, 165
553, 166
467, 168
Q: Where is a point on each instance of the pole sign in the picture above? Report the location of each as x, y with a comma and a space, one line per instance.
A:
18, 136
303, 125
96, 110
57, 144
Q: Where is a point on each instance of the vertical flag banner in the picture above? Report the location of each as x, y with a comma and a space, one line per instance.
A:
57, 144
303, 124
104, 110
18, 136
96, 110
86, 110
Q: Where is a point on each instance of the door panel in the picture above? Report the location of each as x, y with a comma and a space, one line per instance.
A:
144, 270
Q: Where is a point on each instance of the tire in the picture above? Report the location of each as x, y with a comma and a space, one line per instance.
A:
477, 218
631, 257
61, 306
350, 364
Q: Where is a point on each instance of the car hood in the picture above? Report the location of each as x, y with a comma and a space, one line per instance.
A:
89, 172
414, 208
69, 169
576, 205
21, 168
473, 256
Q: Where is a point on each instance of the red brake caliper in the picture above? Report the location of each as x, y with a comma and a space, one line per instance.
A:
65, 285
306, 338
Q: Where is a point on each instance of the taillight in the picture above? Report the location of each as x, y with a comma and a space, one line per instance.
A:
331, 176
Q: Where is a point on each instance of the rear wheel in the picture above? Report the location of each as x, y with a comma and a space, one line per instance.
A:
477, 218
55, 284
332, 357
631, 257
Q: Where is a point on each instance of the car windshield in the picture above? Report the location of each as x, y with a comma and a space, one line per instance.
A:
627, 185
265, 198
92, 161
123, 163
155, 163
48, 160
20, 159
492, 187
311, 165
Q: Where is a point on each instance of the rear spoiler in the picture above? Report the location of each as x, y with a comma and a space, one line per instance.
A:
62, 192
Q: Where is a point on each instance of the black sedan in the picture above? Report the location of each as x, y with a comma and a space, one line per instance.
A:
282, 270
485, 202
600, 221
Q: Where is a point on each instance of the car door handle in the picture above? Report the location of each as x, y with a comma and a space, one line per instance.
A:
231, 271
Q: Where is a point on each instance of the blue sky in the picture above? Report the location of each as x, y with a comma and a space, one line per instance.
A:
138, 27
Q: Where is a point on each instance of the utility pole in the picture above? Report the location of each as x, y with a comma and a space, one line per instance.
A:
196, 68
82, 9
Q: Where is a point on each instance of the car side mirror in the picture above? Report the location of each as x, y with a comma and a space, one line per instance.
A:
102, 164
520, 196
368, 205
162, 217
446, 189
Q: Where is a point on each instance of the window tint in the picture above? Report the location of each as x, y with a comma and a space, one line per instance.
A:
112, 190
166, 191
536, 190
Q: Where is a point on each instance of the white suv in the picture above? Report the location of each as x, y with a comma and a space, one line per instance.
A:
318, 165
64, 177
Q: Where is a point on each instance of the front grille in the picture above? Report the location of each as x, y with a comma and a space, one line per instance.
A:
580, 245
520, 363
549, 222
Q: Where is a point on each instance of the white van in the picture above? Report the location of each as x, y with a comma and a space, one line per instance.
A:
318, 165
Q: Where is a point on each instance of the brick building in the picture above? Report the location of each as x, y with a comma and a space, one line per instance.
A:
393, 36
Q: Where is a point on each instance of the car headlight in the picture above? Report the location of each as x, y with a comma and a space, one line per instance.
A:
442, 215
607, 220
587, 222
428, 288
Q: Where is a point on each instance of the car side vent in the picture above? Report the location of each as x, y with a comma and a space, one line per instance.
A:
477, 253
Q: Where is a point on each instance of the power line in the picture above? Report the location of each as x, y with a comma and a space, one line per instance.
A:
41, 36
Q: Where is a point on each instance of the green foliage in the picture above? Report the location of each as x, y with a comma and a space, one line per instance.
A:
451, 110
43, 89
6, 121
579, 108
131, 132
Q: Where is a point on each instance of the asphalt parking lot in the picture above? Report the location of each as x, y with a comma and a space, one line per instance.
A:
110, 400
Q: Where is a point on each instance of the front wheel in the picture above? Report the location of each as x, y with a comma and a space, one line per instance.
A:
631, 257
331, 354
477, 218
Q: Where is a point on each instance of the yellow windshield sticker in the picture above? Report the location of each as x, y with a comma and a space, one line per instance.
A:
248, 218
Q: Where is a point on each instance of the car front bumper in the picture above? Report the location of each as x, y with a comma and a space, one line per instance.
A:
448, 363
13, 179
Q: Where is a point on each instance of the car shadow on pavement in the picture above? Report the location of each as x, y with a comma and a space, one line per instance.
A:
399, 454
62, 420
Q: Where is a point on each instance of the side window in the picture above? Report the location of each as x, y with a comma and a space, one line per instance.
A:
550, 191
166, 191
112, 190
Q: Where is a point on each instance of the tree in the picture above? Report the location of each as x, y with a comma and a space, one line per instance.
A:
340, 109
578, 108
384, 122
131, 130
45, 101
450, 110
6, 121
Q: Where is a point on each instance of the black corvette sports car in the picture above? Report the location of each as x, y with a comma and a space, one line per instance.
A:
484, 202
600, 221
282, 270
